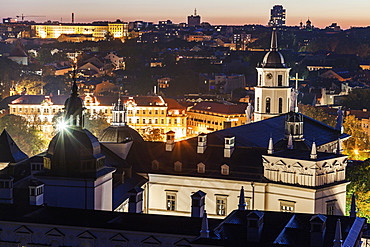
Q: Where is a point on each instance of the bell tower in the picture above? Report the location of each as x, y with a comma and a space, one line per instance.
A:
272, 93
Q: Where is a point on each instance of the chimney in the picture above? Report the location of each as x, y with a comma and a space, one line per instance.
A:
202, 143
313, 155
135, 201
36, 192
254, 226
318, 230
229, 146
198, 204
73, 18
170, 140
6, 193
270, 149
204, 232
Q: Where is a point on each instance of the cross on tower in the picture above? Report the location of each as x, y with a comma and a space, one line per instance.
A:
296, 79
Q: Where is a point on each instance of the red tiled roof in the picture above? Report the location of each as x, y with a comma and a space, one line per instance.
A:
219, 108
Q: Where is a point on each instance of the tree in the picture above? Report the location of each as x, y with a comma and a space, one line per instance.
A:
96, 123
154, 135
358, 99
359, 140
28, 138
359, 175
317, 114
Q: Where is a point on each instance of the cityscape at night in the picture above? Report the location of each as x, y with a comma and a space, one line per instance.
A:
212, 123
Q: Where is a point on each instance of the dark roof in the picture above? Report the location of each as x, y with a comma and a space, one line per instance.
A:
119, 134
83, 218
9, 151
214, 107
4, 104
257, 134
143, 154
281, 229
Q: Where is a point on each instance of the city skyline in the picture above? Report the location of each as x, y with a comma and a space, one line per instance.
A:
237, 12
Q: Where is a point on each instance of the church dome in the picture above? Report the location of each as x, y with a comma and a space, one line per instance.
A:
71, 149
273, 59
120, 134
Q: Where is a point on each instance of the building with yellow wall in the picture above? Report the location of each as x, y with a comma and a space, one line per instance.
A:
144, 113
206, 117
98, 30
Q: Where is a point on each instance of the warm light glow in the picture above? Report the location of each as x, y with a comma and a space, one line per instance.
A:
61, 125
356, 151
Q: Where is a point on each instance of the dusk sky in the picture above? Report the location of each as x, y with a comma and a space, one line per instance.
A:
235, 12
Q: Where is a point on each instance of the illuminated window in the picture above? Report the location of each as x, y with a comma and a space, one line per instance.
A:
171, 201
143, 120
162, 121
156, 121
268, 105
287, 206
221, 205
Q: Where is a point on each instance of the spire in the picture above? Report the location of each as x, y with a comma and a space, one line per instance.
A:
195, 11
241, 205
353, 212
204, 232
74, 90
274, 40
339, 124
270, 149
313, 154
74, 106
338, 235
290, 142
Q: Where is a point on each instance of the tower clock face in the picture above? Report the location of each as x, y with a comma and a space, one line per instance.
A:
269, 76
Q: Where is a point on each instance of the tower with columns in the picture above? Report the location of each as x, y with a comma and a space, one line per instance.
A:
272, 93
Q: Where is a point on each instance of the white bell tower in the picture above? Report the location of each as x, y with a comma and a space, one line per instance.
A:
272, 93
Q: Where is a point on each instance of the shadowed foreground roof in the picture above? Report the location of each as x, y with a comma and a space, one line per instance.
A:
84, 218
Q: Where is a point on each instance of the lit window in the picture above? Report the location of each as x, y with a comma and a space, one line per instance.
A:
287, 206
171, 201
143, 120
221, 205
268, 105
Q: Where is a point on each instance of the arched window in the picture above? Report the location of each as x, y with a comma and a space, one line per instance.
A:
280, 105
258, 104
268, 105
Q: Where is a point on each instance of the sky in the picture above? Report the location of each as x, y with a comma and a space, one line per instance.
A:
321, 13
